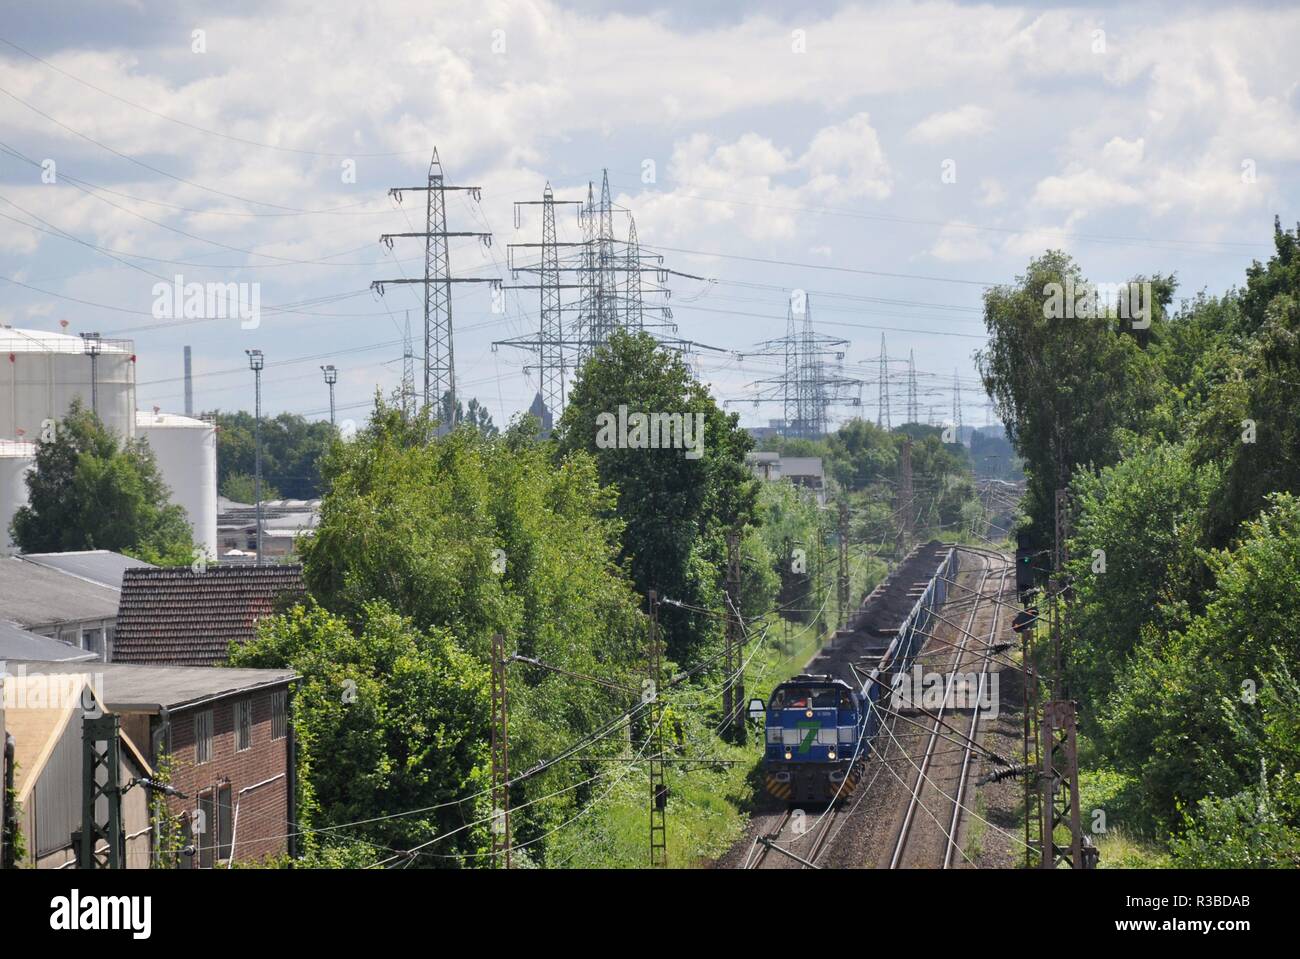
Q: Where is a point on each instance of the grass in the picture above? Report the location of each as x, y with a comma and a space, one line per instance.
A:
978, 827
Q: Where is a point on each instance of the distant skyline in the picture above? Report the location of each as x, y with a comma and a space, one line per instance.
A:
890, 180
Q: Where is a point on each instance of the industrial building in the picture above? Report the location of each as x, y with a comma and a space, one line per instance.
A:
42, 728
41, 373
225, 735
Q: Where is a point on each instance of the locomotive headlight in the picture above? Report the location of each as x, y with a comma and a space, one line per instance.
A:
789, 755
830, 754
808, 714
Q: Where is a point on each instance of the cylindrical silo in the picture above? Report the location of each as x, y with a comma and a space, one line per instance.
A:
186, 451
16, 459
41, 373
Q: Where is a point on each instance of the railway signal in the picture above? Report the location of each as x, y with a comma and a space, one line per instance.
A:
1025, 620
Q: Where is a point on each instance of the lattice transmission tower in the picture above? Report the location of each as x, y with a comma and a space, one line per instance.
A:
439, 352
611, 284
811, 381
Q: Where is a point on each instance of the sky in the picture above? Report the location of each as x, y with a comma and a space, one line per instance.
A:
889, 160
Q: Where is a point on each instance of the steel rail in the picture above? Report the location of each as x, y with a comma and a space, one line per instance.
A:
905, 830
951, 843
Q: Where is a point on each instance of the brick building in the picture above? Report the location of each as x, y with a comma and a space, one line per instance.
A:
225, 736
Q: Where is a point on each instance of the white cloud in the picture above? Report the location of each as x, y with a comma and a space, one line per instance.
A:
958, 243
962, 123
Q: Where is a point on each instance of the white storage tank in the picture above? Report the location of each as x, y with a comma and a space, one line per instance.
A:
16, 458
41, 373
186, 451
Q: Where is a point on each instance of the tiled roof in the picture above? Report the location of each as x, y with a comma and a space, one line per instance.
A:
175, 617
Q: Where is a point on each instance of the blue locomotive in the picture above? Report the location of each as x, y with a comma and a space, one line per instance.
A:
818, 735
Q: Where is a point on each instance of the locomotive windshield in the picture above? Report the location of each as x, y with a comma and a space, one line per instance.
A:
792, 697
811, 697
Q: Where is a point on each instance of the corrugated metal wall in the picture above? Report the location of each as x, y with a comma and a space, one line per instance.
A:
57, 796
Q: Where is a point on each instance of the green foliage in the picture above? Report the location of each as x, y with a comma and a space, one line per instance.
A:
1243, 831
242, 488
15, 842
168, 832
388, 719
1182, 449
1249, 423
468, 535
292, 447
1186, 718
474, 415
90, 491
1064, 387
1135, 562
675, 508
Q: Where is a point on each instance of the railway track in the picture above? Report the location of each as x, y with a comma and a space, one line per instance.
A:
781, 846
785, 848
904, 854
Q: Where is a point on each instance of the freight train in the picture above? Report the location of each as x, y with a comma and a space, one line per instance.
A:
819, 730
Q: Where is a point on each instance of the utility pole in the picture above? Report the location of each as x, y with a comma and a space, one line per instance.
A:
189, 383
733, 691
408, 370
1059, 558
439, 358
100, 755
906, 495
331, 377
956, 405
1029, 676
91, 343
655, 745
550, 345
882, 408
913, 410
1059, 781
500, 755
806, 388
842, 579
255, 363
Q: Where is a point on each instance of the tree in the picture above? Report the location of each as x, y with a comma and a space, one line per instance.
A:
466, 535
1064, 386
387, 719
676, 500
1249, 422
242, 488
1136, 566
88, 491
474, 415
291, 450
1189, 718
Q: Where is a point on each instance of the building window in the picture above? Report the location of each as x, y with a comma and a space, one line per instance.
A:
205, 828
243, 725
225, 823
279, 714
202, 736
